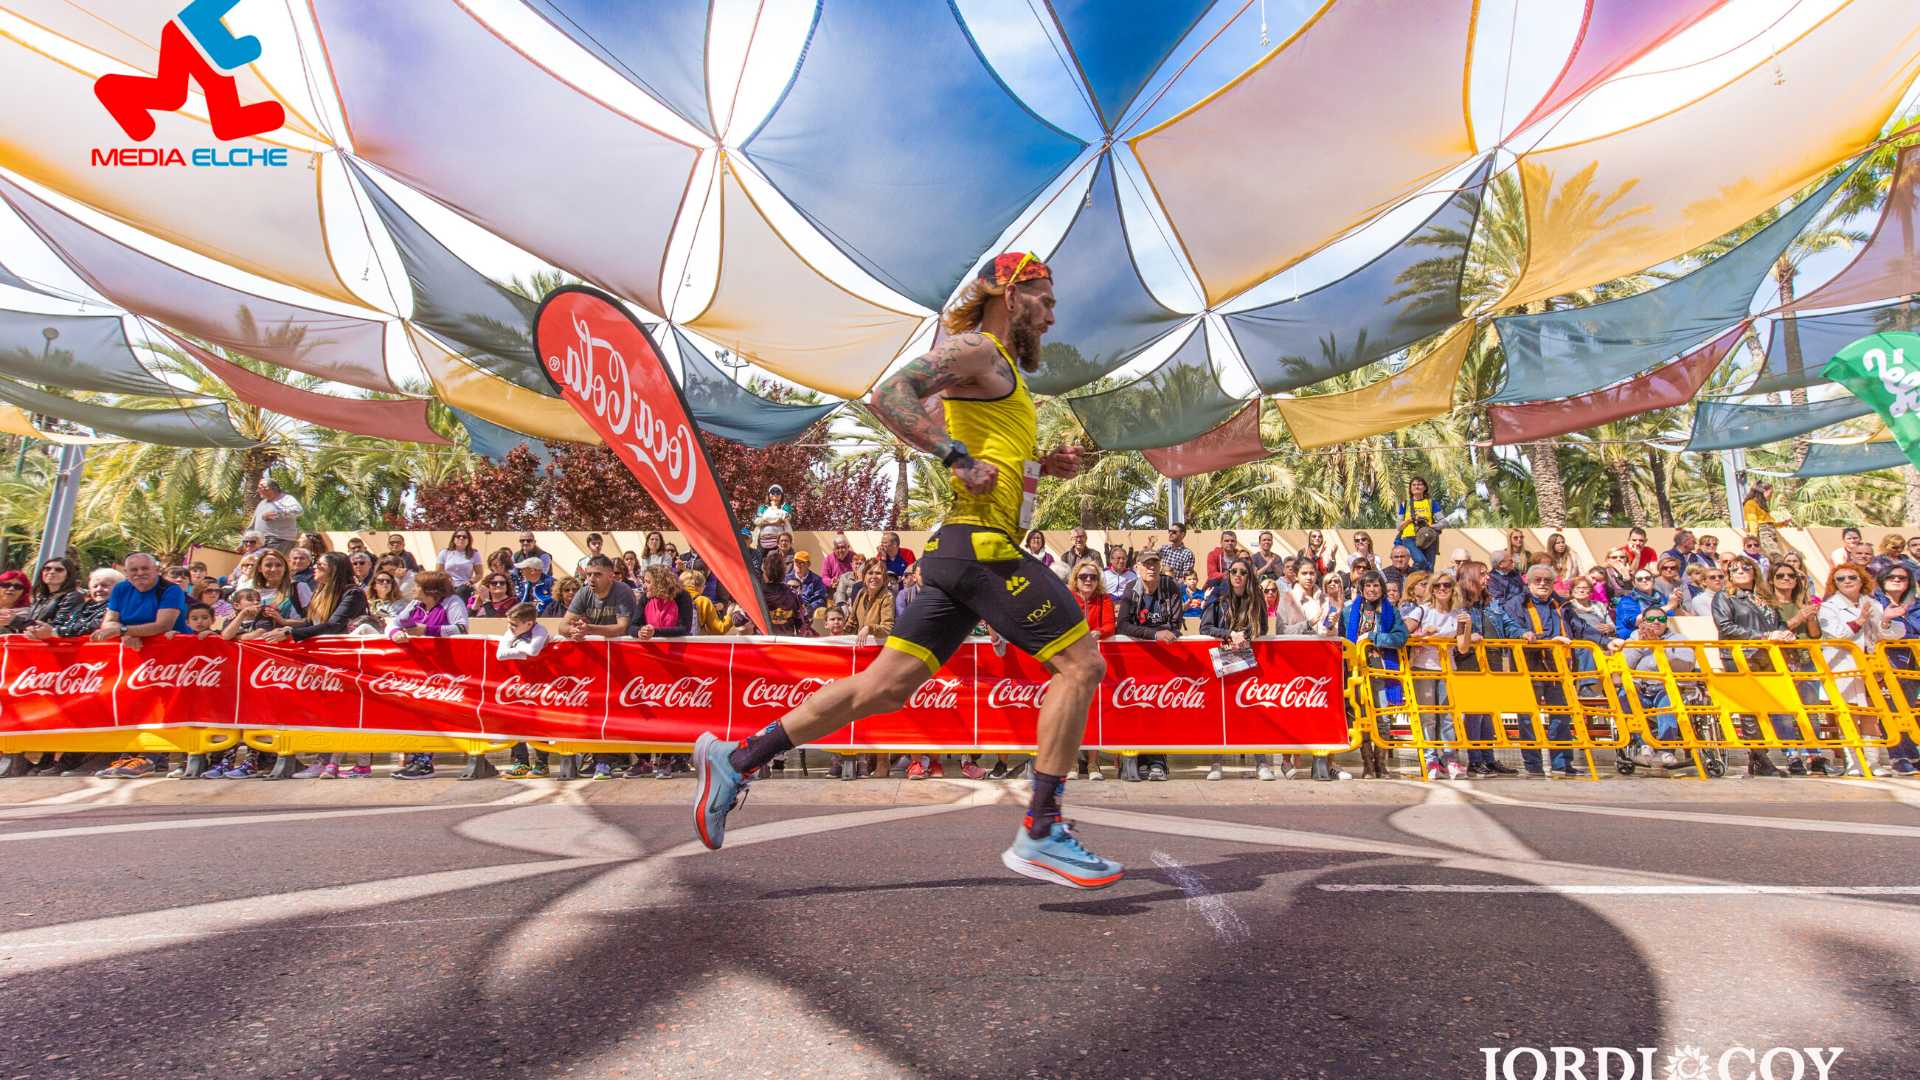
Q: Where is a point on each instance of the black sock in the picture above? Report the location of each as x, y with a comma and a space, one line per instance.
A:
1043, 807
759, 749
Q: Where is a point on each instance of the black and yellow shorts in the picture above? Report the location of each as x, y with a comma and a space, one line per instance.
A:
969, 573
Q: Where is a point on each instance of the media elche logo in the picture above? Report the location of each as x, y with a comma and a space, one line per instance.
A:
195, 47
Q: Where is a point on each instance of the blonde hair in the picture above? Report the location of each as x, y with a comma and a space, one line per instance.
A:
964, 315
1099, 576
660, 583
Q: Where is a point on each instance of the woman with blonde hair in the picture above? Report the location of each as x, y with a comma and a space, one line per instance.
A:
1434, 613
1565, 566
872, 607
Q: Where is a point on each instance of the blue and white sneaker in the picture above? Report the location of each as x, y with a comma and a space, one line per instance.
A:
1060, 859
719, 789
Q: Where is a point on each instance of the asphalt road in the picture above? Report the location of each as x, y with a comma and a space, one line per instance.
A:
1362, 929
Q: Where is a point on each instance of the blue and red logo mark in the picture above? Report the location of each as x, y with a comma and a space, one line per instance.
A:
195, 47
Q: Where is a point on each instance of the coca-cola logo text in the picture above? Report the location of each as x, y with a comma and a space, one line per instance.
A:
686, 692
596, 372
277, 675
1015, 693
74, 679
195, 672
1179, 692
436, 686
1299, 692
766, 694
936, 694
565, 692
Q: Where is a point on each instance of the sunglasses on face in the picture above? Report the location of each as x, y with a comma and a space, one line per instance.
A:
1714, 577
1844, 579
1236, 572
1784, 575
1087, 577
1643, 577
1440, 585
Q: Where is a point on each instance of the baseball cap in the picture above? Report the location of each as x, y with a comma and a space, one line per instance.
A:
1459, 554
530, 561
802, 557
1148, 557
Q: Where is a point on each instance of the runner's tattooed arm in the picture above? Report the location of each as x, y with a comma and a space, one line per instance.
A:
901, 399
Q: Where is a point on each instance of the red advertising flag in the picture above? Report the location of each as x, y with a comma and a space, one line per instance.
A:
560, 694
669, 690
1293, 698
59, 685
607, 367
1160, 694
177, 680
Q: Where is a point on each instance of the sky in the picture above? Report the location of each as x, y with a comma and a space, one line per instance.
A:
1520, 46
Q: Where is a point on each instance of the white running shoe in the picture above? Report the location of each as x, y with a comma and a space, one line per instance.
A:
1215, 773
1265, 772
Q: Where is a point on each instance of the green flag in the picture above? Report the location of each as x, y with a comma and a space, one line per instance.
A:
1883, 370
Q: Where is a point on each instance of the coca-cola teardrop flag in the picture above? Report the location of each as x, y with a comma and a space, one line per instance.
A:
606, 366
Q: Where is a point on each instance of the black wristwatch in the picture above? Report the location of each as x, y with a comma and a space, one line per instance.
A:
954, 452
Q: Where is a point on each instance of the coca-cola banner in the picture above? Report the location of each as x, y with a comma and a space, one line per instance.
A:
1156, 696
607, 367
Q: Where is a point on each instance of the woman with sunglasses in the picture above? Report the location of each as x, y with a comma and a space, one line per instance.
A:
1089, 588
1672, 586
496, 597
1235, 615
384, 601
1850, 613
459, 560
1435, 615
1476, 618
360, 564
1707, 582
1774, 609
54, 597
1896, 595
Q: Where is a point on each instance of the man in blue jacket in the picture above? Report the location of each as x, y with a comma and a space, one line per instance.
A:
1536, 614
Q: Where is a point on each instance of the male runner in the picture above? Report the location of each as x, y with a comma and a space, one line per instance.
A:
972, 569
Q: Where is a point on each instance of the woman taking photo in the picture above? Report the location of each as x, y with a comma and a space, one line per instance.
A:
1236, 614
1421, 507
460, 560
1850, 613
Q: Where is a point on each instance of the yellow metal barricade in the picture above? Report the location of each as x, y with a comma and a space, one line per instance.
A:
1898, 667
169, 740
1820, 695
299, 741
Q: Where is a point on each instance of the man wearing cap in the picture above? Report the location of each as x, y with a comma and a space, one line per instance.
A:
534, 585
973, 568
811, 586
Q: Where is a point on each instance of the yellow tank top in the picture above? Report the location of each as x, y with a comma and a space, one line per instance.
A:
1004, 430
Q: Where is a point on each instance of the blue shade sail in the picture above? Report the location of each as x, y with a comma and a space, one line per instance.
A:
1408, 293
1727, 425
493, 442
1845, 459
1179, 400
1559, 353
13, 280
491, 324
1818, 338
659, 45
194, 426
84, 352
901, 145
1119, 44
725, 408
1103, 311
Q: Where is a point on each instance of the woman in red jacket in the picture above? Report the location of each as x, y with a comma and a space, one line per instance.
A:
1090, 593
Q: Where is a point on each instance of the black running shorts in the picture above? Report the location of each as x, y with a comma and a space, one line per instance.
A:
969, 573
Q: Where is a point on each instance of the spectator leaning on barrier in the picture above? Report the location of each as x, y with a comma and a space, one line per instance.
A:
873, 607
1439, 616
276, 517
435, 611
1371, 620
1537, 615
604, 608
1850, 613
1483, 620
1150, 610
1236, 614
55, 597
14, 598
86, 616
1897, 597
667, 610
1776, 609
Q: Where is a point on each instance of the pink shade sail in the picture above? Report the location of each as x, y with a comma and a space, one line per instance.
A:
1613, 34
1235, 442
1664, 387
341, 348
1888, 265
404, 420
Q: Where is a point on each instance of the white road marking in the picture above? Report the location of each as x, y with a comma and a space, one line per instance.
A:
253, 819
1449, 817
1785, 824
95, 788
1227, 924
1636, 890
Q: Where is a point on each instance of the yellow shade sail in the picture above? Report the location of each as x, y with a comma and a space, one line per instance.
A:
1365, 104
1619, 203
1420, 391
772, 305
16, 422
495, 400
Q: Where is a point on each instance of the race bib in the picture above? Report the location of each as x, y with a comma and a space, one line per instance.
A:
1029, 492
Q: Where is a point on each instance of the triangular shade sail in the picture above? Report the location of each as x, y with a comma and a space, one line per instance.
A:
519, 151
772, 305
493, 325
1726, 425
340, 348
15, 422
493, 442
1617, 204
1845, 459
268, 218
15, 281
191, 426
901, 145
470, 389
1176, 401
1612, 35
725, 408
1888, 265
1361, 107
1557, 353
74, 352
1420, 391
129, 31
404, 420
659, 45
1407, 293
1235, 442
1118, 44
1103, 311
1662, 388
1800, 347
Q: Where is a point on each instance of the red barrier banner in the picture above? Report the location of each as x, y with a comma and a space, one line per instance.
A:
1155, 696
601, 360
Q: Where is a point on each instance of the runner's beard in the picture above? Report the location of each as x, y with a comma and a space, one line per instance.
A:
1025, 343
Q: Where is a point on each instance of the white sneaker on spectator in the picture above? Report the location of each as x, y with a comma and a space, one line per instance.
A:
1095, 774
1455, 771
1215, 773
1265, 772
1342, 774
